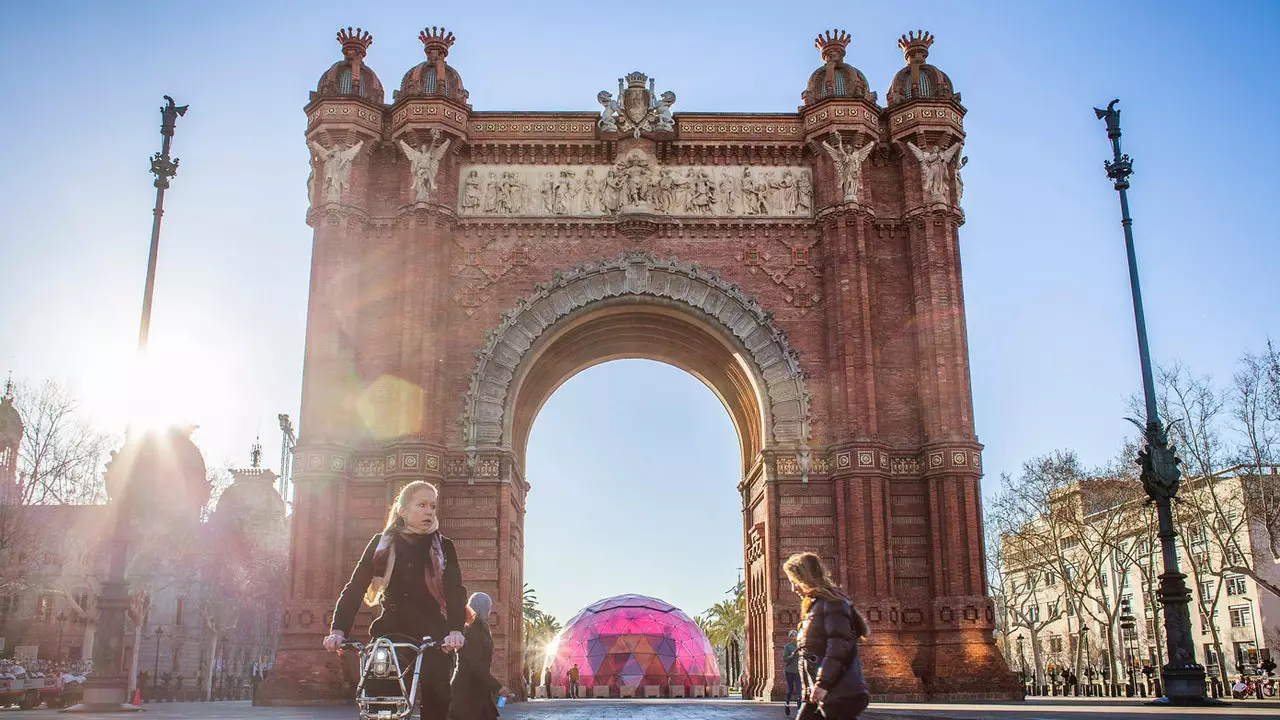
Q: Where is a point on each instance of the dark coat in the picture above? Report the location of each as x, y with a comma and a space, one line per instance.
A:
474, 687
829, 646
407, 606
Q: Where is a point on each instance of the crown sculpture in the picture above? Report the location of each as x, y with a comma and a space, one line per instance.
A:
915, 45
436, 42
355, 43
832, 45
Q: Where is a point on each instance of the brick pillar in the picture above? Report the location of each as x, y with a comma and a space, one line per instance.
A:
964, 660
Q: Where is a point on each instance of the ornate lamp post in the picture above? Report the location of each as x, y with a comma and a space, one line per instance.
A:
155, 668
107, 689
1183, 676
62, 621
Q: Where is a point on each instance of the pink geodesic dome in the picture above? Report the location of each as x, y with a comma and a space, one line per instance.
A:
633, 640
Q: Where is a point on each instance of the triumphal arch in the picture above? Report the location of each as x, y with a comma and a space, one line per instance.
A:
804, 265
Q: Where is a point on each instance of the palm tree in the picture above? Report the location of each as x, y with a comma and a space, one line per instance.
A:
725, 625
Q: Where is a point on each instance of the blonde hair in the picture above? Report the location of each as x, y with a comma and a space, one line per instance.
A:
395, 521
384, 554
805, 570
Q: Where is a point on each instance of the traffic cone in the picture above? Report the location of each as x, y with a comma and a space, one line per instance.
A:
137, 696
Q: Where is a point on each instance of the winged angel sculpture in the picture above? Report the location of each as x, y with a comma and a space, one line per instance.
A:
424, 164
848, 162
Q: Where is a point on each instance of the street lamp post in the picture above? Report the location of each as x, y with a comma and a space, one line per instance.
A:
1183, 676
107, 689
155, 668
1127, 625
62, 621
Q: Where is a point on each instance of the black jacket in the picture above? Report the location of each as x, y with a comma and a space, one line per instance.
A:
474, 687
829, 645
407, 605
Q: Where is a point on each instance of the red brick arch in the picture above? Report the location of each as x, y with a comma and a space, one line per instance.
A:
747, 362
460, 272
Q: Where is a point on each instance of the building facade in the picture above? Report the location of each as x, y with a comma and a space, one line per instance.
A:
1094, 604
804, 265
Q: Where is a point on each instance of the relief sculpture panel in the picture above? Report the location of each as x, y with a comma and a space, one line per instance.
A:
635, 182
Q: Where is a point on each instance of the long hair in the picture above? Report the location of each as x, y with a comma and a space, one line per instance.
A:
806, 572
394, 525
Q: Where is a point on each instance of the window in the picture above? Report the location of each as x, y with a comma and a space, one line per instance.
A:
1204, 624
1234, 556
1032, 612
1102, 579
1054, 610
44, 608
1151, 628
1124, 580
1048, 577
8, 606
6, 457
840, 84
1055, 644
1126, 604
1206, 591
1236, 585
1069, 571
344, 81
1013, 583
1071, 609
1210, 657
1068, 543
924, 85
1240, 616
429, 81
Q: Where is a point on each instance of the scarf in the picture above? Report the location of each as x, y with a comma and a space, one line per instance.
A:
433, 572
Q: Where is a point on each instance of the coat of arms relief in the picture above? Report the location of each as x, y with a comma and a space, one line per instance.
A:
638, 108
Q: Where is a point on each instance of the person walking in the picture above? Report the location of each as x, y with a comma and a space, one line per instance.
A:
474, 688
412, 570
546, 680
574, 674
831, 671
791, 670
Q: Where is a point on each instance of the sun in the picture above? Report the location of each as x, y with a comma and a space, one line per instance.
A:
178, 380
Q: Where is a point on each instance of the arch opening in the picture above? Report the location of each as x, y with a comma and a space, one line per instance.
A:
637, 328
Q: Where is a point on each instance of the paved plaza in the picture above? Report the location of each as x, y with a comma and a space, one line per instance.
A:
1058, 708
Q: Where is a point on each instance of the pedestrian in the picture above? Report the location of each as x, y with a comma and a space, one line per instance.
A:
830, 629
474, 689
791, 670
412, 569
546, 679
574, 674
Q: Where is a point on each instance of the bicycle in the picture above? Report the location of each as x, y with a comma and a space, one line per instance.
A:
380, 662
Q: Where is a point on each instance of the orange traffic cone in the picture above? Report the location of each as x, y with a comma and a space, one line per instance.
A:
137, 696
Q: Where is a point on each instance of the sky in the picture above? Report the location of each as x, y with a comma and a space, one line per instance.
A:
1046, 287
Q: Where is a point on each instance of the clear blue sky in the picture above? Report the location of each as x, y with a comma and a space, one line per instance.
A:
1050, 328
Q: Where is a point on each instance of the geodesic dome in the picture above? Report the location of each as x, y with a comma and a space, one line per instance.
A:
633, 640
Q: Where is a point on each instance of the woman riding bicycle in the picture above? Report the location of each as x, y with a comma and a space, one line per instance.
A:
412, 570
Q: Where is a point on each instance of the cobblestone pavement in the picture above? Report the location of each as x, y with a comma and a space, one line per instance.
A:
1055, 709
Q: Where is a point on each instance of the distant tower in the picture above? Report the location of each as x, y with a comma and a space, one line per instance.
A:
10, 440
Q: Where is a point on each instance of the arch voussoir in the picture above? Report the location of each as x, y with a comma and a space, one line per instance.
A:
741, 317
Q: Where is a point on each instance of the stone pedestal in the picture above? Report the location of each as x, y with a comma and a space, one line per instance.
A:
599, 691
652, 691
675, 691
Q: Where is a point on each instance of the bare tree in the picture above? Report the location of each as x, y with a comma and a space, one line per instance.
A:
62, 456
1255, 409
1037, 540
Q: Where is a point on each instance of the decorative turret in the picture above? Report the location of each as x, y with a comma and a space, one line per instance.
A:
919, 80
434, 77
11, 429
835, 78
349, 77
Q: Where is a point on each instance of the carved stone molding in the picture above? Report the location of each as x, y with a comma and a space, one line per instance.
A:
637, 274
504, 191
